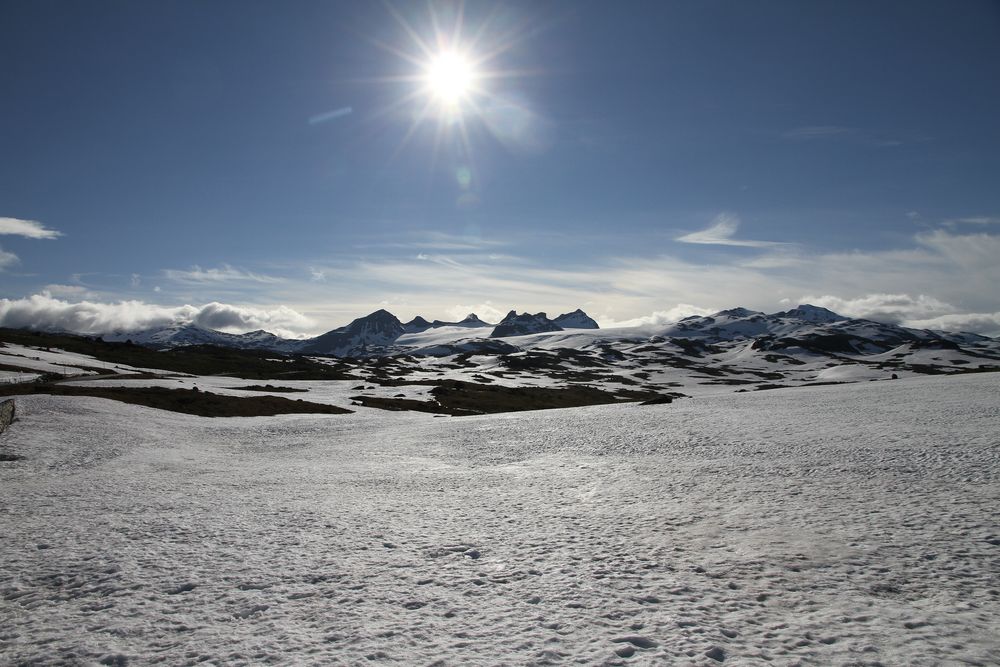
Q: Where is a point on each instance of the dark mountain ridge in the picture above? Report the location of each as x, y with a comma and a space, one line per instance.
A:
380, 333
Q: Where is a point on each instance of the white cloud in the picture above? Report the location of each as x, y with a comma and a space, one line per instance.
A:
721, 231
65, 290
966, 250
895, 308
974, 220
28, 228
7, 259
225, 317
199, 276
485, 311
987, 324
44, 311
660, 317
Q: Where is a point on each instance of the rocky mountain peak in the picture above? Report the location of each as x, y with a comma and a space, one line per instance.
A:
576, 320
526, 323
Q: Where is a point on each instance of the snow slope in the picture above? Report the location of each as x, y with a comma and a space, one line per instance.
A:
848, 524
45, 360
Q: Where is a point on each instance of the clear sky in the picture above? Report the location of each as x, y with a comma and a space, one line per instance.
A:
293, 165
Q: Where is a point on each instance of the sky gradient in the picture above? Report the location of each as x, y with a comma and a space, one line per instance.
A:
277, 165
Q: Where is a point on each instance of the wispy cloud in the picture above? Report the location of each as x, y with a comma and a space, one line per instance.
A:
987, 324
437, 241
27, 228
851, 134
56, 289
819, 132
974, 220
330, 115
226, 273
7, 259
721, 232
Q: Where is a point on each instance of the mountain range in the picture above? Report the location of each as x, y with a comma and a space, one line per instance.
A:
735, 348
372, 335
381, 333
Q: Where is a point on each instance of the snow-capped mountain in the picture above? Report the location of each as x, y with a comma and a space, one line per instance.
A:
180, 335
732, 350
366, 336
809, 313
523, 324
416, 325
576, 320
471, 321
805, 342
804, 324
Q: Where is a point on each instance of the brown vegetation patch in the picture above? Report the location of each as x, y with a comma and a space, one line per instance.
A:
187, 401
270, 387
191, 359
454, 397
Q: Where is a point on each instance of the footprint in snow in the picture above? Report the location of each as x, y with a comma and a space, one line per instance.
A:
251, 611
183, 588
636, 640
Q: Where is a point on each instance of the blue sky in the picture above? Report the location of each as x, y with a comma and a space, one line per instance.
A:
283, 163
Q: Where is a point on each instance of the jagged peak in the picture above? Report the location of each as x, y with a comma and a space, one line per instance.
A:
577, 319
518, 325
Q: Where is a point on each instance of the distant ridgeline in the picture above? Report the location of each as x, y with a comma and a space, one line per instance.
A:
783, 339
526, 361
378, 334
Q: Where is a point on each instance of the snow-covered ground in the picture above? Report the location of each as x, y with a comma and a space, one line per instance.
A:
60, 362
16, 377
846, 524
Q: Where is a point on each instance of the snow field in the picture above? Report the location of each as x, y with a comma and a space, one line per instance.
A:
850, 524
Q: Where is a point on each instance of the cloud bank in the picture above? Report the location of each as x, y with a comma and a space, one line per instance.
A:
44, 311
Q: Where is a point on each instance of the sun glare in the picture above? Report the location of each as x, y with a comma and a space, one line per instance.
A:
453, 80
450, 78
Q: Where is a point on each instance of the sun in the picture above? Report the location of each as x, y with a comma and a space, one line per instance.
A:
450, 78
453, 80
